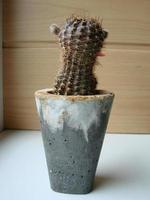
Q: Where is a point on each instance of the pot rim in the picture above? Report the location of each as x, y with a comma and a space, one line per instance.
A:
48, 94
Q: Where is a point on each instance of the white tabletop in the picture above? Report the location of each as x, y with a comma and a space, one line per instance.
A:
123, 172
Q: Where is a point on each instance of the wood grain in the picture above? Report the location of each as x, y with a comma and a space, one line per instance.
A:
28, 20
125, 72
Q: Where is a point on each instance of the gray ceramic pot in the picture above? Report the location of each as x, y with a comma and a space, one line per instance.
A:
73, 129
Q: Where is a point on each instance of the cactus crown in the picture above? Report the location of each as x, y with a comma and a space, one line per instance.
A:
81, 39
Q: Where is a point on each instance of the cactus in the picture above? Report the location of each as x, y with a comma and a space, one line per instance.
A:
81, 39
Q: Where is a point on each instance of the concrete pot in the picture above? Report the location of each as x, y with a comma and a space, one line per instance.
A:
73, 129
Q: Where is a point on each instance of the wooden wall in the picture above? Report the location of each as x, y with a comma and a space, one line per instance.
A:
31, 58
1, 82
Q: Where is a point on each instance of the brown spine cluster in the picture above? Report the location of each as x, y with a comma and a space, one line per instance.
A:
80, 39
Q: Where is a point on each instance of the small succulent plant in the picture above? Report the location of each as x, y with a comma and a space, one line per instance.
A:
80, 39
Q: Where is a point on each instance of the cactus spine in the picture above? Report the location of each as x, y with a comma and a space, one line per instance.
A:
80, 39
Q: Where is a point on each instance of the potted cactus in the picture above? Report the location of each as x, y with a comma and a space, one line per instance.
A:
73, 113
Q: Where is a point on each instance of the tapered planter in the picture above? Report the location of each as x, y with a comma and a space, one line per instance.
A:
73, 129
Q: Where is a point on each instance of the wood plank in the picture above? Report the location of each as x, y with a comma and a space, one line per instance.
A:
44, 44
127, 21
25, 71
125, 72
1, 67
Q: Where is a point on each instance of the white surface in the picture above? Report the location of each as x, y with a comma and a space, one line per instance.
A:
1, 91
123, 172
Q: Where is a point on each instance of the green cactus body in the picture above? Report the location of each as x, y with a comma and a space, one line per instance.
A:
80, 39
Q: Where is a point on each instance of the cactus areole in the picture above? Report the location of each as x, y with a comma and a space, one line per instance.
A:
80, 39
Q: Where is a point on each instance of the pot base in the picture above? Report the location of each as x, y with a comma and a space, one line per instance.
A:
73, 190
69, 192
